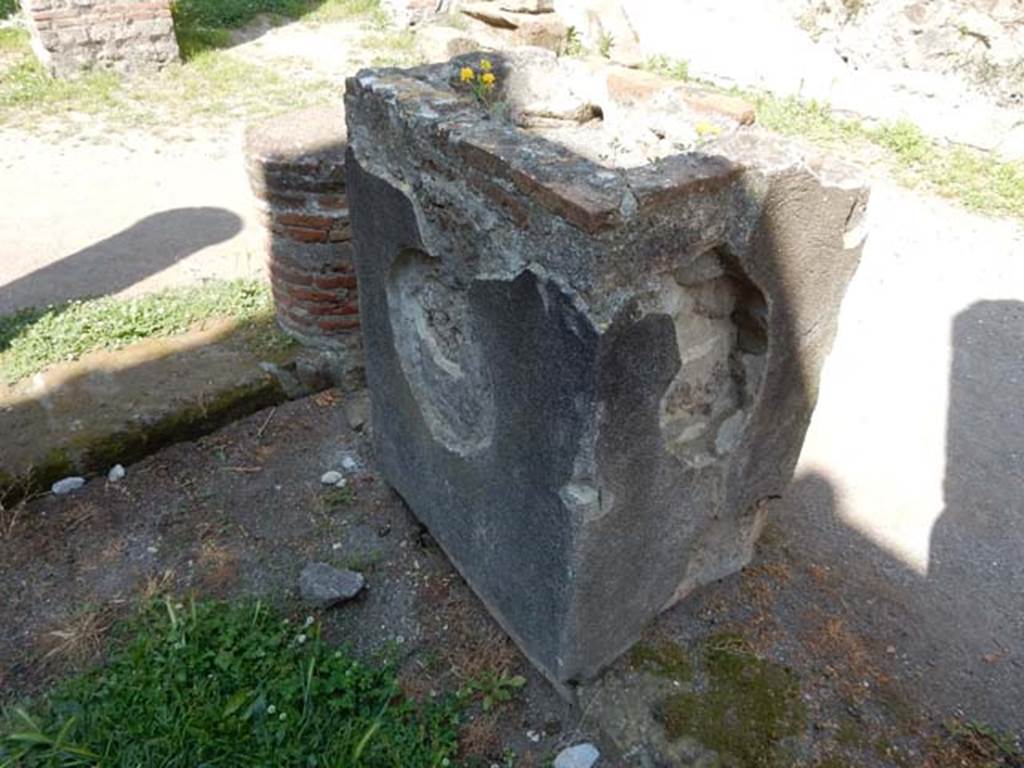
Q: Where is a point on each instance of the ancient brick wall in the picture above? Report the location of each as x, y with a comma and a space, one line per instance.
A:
296, 166
125, 35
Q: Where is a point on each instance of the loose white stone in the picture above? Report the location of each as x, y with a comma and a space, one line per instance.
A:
331, 478
116, 473
67, 485
580, 756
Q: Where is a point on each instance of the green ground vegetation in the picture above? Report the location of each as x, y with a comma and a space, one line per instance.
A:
745, 709
979, 181
663, 658
230, 684
206, 24
33, 339
210, 84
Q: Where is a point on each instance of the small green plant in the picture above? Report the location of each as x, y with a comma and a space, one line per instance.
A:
676, 69
229, 684
482, 83
605, 43
492, 688
853, 8
905, 140
572, 45
334, 499
998, 749
8, 8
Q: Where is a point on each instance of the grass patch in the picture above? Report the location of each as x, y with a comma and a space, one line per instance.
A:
977, 180
24, 82
212, 85
393, 48
230, 684
33, 339
204, 24
747, 710
13, 39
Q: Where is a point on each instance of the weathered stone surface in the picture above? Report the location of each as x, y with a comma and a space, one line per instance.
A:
579, 756
544, 30
69, 36
324, 586
590, 367
67, 485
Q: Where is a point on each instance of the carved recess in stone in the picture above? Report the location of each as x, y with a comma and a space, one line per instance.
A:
438, 352
720, 320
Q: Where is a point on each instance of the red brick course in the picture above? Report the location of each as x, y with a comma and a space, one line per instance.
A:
300, 190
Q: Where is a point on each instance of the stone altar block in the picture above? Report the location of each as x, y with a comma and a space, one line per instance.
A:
594, 316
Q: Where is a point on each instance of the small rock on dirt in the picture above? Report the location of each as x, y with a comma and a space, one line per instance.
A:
324, 586
579, 756
357, 411
331, 478
116, 473
67, 485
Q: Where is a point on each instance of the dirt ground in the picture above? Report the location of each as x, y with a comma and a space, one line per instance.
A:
240, 512
889, 580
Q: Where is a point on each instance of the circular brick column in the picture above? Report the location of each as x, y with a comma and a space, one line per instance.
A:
296, 166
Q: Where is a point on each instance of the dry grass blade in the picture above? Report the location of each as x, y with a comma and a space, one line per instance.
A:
81, 638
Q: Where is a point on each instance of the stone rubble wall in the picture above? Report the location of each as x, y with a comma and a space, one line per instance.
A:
125, 35
955, 69
296, 166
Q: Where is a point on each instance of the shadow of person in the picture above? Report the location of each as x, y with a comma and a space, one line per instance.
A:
960, 624
976, 559
149, 246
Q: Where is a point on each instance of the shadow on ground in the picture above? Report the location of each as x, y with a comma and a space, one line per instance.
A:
964, 619
109, 266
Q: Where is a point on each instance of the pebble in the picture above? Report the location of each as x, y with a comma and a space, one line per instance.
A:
116, 473
324, 585
580, 756
67, 485
333, 477
349, 464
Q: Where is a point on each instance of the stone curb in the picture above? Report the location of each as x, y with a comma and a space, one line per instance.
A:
117, 407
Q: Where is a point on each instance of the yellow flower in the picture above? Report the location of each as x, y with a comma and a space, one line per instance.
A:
466, 74
487, 78
485, 65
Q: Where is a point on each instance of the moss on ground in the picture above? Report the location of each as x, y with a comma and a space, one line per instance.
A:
745, 712
664, 658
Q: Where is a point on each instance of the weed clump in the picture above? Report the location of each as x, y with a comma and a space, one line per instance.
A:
230, 684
